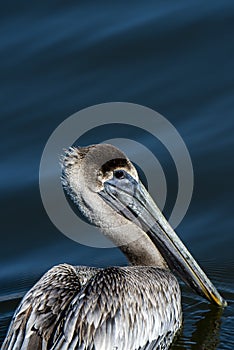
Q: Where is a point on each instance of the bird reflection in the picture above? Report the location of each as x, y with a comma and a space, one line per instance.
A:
206, 330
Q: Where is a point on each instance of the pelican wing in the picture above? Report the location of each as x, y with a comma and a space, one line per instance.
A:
84, 308
125, 309
38, 319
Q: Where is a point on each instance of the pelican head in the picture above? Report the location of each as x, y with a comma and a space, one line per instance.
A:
105, 185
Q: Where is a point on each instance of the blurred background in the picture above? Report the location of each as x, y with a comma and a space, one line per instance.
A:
174, 57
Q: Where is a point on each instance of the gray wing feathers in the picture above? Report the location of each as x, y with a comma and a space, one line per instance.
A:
123, 308
90, 309
42, 309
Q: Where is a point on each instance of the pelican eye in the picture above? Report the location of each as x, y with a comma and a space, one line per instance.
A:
119, 174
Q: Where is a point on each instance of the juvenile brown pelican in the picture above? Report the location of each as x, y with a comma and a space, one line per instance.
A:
124, 308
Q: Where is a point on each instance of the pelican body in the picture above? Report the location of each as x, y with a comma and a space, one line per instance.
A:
113, 308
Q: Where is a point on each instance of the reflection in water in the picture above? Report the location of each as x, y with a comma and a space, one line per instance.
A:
210, 322
206, 331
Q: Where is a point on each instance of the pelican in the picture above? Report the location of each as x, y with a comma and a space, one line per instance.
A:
114, 308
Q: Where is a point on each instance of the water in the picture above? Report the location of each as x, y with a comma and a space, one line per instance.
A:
176, 58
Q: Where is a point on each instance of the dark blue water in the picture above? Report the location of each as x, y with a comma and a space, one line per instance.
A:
174, 57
